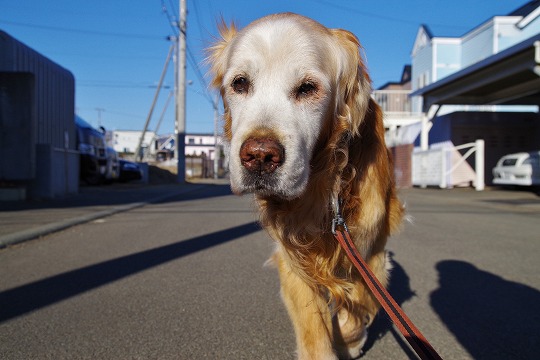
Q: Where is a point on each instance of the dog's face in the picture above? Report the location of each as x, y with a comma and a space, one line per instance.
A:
279, 79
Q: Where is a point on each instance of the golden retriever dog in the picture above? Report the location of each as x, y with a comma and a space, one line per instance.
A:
302, 132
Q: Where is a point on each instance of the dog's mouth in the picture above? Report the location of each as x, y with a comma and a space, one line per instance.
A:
260, 184
261, 159
270, 185
264, 171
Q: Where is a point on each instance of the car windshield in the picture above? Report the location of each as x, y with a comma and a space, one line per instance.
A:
509, 162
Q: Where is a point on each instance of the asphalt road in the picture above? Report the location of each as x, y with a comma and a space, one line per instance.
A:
184, 279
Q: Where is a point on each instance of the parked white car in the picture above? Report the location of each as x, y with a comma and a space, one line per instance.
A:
518, 169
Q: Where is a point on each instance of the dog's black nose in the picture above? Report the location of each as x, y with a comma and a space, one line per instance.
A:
262, 155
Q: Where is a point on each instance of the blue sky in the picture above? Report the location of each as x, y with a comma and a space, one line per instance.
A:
116, 49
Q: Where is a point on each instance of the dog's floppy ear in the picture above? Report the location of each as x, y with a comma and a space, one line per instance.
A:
217, 53
354, 83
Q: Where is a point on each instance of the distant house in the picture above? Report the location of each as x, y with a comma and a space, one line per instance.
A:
403, 84
463, 86
126, 141
394, 99
199, 144
435, 58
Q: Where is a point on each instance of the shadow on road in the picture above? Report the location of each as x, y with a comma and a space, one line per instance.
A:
491, 317
24, 299
120, 194
400, 290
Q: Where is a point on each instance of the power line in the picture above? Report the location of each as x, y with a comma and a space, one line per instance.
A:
101, 56
199, 75
171, 19
174, 11
118, 85
191, 57
197, 15
119, 113
126, 114
82, 31
382, 17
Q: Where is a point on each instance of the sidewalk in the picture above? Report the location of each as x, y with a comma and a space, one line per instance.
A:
25, 220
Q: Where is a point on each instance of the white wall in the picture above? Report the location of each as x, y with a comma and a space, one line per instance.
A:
127, 140
478, 45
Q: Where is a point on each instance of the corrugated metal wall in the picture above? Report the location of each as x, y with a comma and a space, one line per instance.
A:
38, 147
54, 91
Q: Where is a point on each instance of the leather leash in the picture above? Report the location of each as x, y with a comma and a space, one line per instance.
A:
410, 332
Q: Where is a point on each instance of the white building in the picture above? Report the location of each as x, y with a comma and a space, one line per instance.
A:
435, 58
199, 144
126, 141
196, 145
466, 88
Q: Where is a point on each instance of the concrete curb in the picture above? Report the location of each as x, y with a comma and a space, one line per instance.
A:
34, 233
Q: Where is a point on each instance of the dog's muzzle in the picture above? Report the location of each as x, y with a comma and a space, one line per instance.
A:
261, 156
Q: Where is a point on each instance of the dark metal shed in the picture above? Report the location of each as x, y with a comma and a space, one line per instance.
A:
37, 129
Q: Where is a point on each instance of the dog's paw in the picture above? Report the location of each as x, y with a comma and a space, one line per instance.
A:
353, 350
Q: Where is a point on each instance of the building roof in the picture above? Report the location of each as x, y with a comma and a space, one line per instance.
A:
526, 9
405, 78
511, 77
17, 56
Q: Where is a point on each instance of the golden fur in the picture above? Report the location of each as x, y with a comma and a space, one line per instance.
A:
328, 303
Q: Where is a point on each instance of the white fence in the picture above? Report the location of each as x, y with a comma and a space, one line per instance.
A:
446, 167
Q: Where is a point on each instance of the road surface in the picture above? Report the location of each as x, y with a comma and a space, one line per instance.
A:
184, 279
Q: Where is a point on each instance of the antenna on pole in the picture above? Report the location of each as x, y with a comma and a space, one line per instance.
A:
181, 96
99, 111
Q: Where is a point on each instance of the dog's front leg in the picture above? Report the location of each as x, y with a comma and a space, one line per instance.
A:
309, 314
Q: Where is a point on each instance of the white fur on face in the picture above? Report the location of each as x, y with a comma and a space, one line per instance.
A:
278, 57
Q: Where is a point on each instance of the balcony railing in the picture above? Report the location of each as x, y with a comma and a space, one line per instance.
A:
393, 101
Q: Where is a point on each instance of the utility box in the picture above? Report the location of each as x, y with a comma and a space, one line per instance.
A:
37, 110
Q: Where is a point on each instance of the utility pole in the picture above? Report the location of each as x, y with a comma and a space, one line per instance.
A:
138, 153
99, 110
163, 112
217, 153
181, 96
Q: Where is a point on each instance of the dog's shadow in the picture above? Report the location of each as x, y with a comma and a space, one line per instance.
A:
400, 290
492, 317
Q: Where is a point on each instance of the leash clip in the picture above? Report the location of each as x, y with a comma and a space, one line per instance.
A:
338, 220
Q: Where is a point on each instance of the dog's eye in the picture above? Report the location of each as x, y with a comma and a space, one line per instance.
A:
240, 85
306, 89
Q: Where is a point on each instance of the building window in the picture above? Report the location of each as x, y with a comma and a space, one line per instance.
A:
191, 141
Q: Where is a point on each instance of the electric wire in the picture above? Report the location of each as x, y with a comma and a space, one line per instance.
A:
199, 75
83, 31
173, 23
190, 57
336, 5
197, 15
